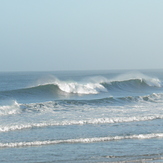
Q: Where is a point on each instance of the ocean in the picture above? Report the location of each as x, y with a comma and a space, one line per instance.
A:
81, 116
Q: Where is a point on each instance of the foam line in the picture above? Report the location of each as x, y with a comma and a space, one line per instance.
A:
80, 122
80, 140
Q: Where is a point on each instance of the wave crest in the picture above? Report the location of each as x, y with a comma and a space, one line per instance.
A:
95, 85
79, 88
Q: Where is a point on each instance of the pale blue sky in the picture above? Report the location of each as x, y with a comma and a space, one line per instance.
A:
43, 35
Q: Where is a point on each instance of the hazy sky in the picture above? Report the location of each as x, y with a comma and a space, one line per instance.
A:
37, 35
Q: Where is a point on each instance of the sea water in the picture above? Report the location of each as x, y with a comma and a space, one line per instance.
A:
81, 116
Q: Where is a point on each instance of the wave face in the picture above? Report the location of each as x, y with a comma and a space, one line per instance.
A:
99, 115
92, 86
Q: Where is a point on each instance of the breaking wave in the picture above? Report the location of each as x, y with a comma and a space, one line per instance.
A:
10, 109
93, 86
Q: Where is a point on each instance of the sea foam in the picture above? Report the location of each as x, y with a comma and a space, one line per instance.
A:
79, 122
81, 140
14, 108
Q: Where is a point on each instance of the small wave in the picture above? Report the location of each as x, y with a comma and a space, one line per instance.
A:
14, 108
154, 98
81, 140
59, 105
80, 122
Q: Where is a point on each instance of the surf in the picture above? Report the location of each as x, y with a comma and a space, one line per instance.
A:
92, 121
81, 140
15, 107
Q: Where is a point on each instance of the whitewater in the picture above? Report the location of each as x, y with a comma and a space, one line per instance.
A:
81, 116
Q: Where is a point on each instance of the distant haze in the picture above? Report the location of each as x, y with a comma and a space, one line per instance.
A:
49, 35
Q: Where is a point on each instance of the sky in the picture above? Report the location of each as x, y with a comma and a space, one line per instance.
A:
53, 35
